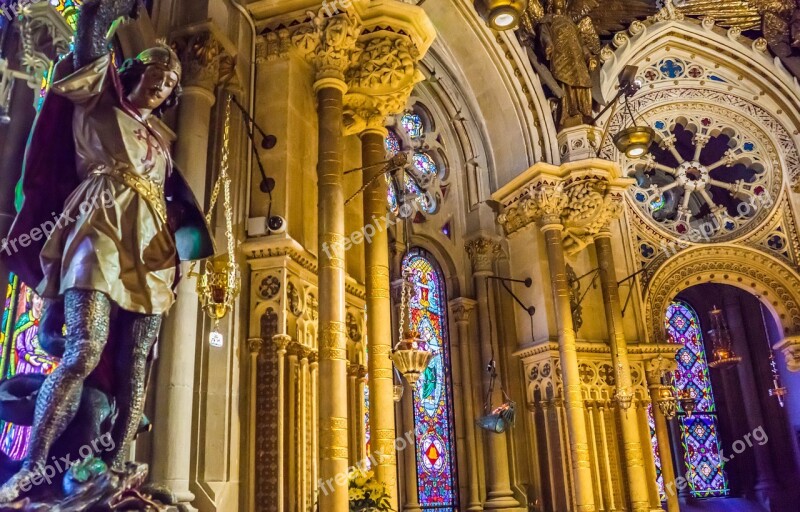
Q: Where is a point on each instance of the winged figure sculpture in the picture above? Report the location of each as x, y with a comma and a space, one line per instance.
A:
778, 20
565, 36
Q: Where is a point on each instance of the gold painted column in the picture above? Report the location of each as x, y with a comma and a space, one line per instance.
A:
483, 253
361, 384
655, 369
576, 421
331, 60
462, 309
379, 314
633, 463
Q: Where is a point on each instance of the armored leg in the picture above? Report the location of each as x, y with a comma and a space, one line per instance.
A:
87, 318
137, 338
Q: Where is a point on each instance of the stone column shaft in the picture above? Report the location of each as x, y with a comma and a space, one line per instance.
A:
576, 422
498, 479
281, 343
633, 458
664, 448
255, 345
462, 325
172, 425
333, 440
379, 314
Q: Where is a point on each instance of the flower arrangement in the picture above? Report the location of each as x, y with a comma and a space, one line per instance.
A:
367, 494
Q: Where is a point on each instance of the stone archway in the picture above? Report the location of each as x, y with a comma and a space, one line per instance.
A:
776, 284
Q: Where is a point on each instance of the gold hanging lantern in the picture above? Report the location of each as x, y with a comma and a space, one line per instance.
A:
408, 356
219, 282
688, 402
723, 355
667, 402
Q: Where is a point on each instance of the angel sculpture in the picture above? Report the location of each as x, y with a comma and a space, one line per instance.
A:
566, 36
778, 20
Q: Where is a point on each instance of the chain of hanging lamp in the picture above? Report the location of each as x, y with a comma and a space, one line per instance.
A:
219, 283
409, 356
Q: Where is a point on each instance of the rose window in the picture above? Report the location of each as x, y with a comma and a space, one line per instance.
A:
704, 179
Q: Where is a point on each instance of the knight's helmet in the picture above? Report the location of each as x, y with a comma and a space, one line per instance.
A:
161, 54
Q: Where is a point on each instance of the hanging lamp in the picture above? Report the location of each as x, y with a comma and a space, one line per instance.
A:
777, 390
410, 355
219, 281
724, 357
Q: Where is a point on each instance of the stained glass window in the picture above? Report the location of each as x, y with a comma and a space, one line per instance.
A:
422, 164
22, 353
433, 402
701, 444
68, 9
656, 454
412, 124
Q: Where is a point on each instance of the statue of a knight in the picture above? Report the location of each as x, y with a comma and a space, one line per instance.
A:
109, 267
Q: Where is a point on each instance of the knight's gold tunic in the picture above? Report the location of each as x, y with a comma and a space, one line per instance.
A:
113, 236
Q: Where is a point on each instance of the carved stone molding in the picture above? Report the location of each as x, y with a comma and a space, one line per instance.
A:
581, 198
45, 36
483, 252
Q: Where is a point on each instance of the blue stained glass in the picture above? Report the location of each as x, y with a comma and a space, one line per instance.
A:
424, 164
702, 448
658, 203
412, 124
749, 146
433, 402
671, 68
660, 125
392, 144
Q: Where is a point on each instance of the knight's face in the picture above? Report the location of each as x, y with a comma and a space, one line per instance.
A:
154, 87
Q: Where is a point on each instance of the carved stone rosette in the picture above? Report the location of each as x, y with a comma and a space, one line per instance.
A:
581, 198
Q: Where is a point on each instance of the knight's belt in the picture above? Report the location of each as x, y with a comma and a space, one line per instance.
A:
151, 191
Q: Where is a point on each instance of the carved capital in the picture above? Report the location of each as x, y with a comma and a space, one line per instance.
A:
282, 341
204, 58
461, 309
791, 350
483, 252
380, 80
657, 367
327, 43
254, 345
580, 198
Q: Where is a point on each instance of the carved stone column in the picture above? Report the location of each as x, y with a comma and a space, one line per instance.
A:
313, 368
200, 55
655, 369
483, 253
461, 309
254, 346
632, 441
361, 383
333, 40
571, 203
282, 342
